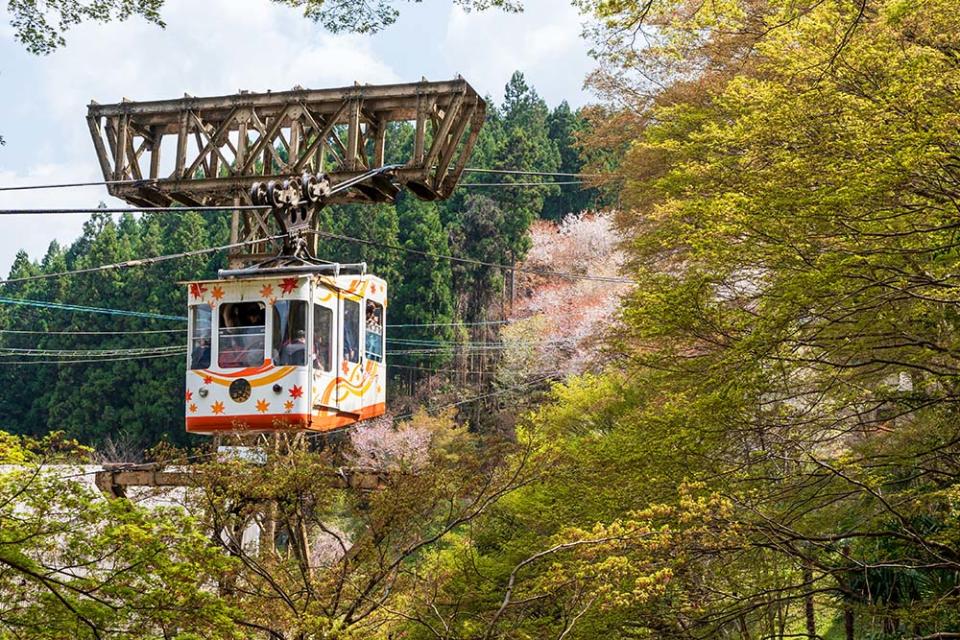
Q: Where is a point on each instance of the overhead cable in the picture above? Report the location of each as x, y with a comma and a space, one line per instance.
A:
28, 212
67, 185
84, 309
519, 172
506, 267
385, 169
142, 262
516, 184
92, 360
91, 333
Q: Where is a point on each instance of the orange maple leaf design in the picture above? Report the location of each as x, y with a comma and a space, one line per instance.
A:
296, 392
288, 405
197, 290
207, 380
288, 285
262, 406
266, 291
189, 395
217, 408
345, 367
217, 292
193, 408
373, 288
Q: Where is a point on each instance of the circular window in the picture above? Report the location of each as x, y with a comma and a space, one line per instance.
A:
240, 390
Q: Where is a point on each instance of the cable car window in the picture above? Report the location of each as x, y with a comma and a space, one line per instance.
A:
201, 337
374, 323
351, 330
290, 333
242, 339
322, 342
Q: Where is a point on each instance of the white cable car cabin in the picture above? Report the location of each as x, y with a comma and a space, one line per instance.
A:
286, 351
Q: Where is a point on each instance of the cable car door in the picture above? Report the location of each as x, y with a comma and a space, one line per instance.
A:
352, 376
324, 347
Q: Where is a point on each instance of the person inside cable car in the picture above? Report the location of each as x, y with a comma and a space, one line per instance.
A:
200, 357
295, 353
374, 332
241, 335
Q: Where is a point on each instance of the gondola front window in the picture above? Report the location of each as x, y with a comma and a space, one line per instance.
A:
242, 335
200, 337
290, 333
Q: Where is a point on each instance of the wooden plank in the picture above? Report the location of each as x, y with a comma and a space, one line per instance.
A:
133, 157
157, 141
380, 142
372, 95
321, 138
440, 140
120, 152
423, 108
266, 140
463, 120
182, 143
93, 123
451, 180
353, 136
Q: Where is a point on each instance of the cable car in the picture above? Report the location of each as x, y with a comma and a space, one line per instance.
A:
286, 349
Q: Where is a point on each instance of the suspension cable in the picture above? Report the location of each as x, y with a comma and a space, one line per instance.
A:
142, 261
496, 265
84, 309
92, 360
385, 169
516, 184
28, 212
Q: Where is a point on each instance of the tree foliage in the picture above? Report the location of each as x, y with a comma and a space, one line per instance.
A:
790, 192
139, 400
41, 25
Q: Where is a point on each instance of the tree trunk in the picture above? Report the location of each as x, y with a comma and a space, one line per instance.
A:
808, 604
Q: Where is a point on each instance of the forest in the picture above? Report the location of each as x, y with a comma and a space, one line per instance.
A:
125, 381
762, 441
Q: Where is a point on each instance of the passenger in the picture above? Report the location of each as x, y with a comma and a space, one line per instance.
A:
200, 357
321, 355
374, 334
295, 353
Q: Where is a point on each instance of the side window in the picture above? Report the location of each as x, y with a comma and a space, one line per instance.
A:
289, 340
351, 330
322, 341
201, 337
374, 324
242, 340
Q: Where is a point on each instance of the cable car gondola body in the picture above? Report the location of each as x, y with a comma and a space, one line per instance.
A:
288, 351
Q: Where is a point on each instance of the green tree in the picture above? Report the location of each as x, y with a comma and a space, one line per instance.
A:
74, 565
41, 26
563, 125
424, 295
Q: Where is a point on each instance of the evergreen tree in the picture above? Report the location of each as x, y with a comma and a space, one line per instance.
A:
563, 124
425, 294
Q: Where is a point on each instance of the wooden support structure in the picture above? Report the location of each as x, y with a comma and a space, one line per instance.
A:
114, 480
219, 146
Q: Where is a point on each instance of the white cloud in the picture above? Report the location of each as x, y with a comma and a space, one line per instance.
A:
208, 48
543, 42
220, 46
34, 233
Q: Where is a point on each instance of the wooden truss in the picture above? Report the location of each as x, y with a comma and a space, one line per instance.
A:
210, 151
116, 478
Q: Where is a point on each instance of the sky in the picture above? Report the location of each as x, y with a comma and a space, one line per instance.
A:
216, 47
